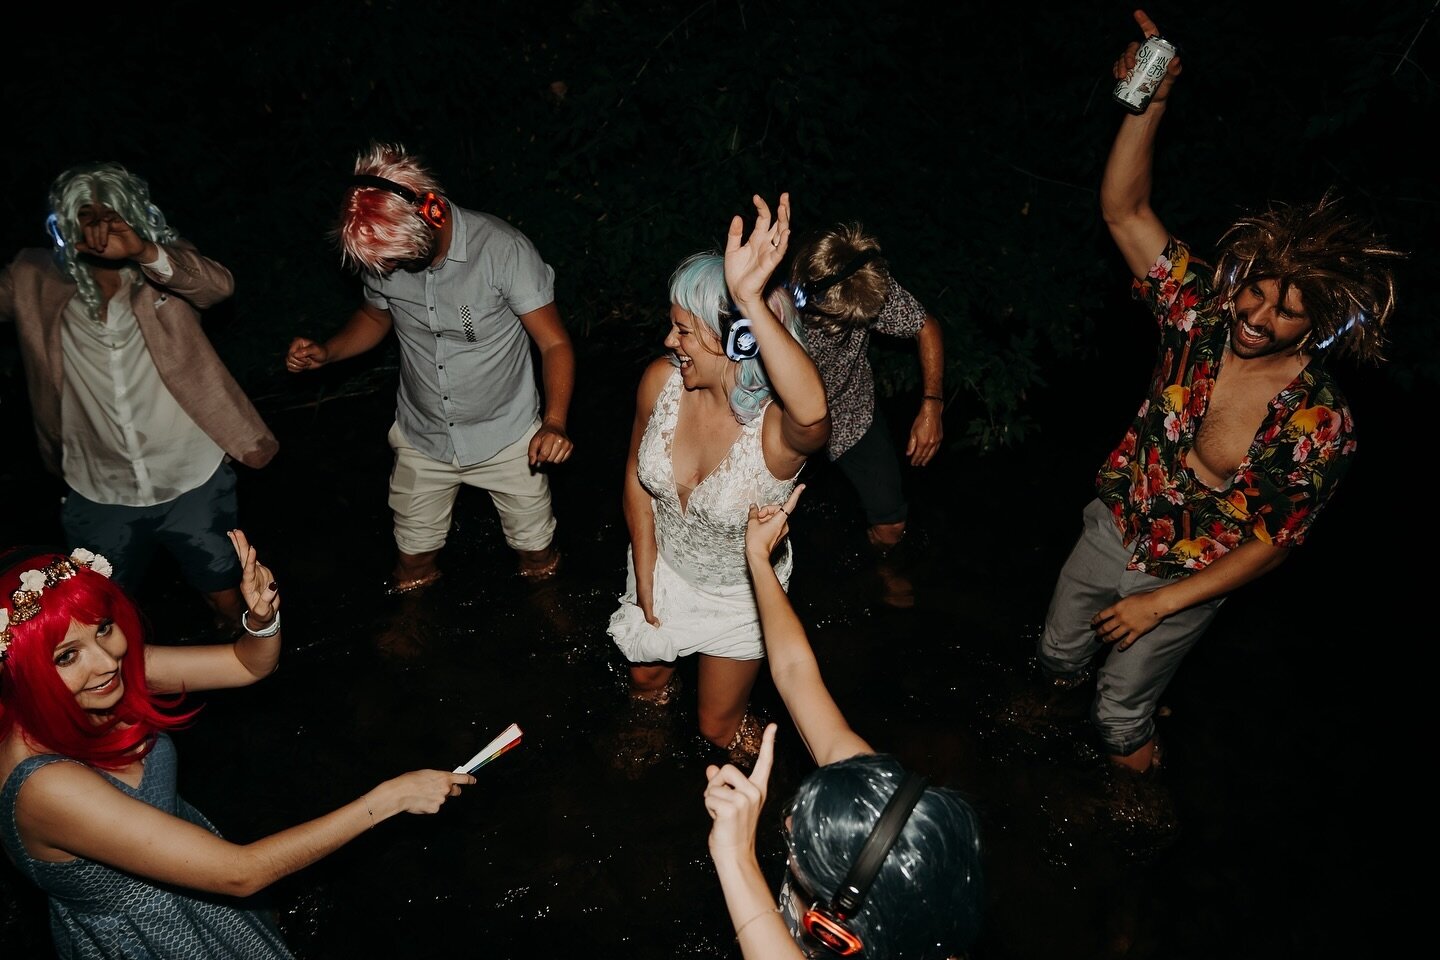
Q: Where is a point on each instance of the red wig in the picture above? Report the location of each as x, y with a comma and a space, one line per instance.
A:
35, 700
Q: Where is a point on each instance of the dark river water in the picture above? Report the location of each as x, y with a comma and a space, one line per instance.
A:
1268, 837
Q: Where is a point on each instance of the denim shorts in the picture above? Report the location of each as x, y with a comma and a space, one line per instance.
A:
192, 528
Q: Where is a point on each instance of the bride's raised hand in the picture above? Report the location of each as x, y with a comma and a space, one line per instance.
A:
749, 263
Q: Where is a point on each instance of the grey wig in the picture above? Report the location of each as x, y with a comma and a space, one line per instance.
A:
115, 187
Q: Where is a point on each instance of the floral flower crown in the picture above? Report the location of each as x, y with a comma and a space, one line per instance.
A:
25, 602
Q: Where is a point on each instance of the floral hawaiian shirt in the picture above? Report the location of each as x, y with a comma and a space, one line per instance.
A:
1173, 522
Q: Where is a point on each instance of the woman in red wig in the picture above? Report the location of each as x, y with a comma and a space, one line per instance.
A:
88, 807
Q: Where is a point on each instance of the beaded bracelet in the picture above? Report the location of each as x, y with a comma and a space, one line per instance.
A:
268, 631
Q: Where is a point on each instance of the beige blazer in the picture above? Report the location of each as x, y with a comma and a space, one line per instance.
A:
33, 293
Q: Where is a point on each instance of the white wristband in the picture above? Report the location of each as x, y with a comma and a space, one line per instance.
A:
268, 631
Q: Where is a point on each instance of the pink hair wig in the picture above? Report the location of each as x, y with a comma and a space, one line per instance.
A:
378, 229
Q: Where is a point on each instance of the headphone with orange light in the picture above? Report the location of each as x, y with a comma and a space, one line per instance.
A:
828, 922
431, 207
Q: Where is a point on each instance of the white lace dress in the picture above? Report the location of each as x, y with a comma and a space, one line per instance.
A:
702, 594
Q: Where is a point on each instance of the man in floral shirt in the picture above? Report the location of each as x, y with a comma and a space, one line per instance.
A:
1239, 443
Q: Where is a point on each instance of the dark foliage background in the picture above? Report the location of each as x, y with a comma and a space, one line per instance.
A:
622, 136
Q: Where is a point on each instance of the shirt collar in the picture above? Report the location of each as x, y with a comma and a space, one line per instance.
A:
459, 237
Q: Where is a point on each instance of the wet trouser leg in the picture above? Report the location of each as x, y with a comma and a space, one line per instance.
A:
1129, 682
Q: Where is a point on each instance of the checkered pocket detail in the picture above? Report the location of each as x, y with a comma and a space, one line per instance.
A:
467, 320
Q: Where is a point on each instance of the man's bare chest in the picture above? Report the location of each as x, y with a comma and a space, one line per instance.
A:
1239, 406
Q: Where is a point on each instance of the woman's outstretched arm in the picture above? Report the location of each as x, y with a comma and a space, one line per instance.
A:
792, 662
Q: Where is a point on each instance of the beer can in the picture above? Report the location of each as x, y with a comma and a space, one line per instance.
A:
1151, 61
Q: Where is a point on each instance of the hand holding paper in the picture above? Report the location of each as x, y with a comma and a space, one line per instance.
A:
508, 739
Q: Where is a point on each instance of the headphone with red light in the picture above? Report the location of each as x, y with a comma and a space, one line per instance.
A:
431, 207
828, 922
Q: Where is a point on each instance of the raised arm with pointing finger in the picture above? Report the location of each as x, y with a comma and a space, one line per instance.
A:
925, 896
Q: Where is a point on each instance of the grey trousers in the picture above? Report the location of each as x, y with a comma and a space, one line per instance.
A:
1129, 682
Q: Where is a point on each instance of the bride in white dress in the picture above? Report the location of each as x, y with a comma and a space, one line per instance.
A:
712, 435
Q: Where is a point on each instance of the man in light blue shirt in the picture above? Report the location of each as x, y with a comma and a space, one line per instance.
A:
467, 295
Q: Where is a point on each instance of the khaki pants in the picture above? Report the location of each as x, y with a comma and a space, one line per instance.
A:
423, 491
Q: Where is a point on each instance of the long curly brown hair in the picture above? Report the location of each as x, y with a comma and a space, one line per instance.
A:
1342, 267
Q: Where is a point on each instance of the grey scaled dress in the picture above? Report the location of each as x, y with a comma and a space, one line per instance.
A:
99, 912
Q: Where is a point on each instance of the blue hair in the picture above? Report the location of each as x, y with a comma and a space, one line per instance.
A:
926, 901
698, 285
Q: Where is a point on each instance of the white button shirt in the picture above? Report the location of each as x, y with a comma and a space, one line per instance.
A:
126, 441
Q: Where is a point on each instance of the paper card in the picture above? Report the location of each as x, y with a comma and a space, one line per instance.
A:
508, 739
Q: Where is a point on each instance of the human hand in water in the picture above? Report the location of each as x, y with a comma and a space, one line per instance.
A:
734, 801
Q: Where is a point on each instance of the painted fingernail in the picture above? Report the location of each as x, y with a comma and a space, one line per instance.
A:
274, 586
